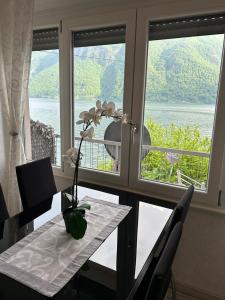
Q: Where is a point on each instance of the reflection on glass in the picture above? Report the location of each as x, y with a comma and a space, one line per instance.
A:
180, 100
151, 221
107, 252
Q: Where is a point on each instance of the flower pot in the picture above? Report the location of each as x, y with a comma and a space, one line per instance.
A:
67, 215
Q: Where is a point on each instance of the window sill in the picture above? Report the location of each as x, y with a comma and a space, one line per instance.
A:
205, 207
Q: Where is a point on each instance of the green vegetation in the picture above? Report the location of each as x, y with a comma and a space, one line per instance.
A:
156, 165
87, 78
182, 70
46, 83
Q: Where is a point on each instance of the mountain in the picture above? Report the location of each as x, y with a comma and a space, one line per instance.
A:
184, 70
181, 70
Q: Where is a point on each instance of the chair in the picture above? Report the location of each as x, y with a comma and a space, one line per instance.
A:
3, 212
162, 274
3, 209
181, 209
179, 215
37, 187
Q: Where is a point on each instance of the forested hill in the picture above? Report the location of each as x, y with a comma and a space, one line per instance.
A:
179, 71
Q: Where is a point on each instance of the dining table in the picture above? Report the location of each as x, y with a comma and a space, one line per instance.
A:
117, 268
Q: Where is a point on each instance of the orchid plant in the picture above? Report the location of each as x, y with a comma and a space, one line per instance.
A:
89, 119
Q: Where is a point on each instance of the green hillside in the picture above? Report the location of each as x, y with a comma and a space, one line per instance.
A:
184, 70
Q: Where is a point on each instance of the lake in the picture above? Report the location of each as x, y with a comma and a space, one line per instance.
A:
47, 111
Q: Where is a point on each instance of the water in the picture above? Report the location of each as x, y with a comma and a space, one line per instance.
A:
48, 112
95, 155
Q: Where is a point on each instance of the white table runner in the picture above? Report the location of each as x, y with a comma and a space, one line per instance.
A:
48, 258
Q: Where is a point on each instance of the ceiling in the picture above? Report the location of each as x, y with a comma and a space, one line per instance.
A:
41, 5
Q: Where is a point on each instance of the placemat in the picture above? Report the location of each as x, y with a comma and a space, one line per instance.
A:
48, 258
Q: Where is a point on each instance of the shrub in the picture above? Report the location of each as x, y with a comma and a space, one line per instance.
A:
156, 165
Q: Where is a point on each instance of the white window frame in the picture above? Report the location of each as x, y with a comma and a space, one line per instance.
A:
127, 18
153, 188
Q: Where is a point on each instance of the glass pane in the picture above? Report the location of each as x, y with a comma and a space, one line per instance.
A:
44, 105
180, 101
99, 75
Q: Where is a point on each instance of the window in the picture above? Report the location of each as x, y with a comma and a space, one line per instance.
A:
99, 57
180, 100
183, 64
166, 76
44, 101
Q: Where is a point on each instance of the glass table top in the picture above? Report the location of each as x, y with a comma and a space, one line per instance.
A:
118, 265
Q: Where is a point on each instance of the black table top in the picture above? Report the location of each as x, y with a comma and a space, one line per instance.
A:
117, 268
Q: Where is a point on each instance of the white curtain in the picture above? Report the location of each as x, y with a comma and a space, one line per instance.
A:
16, 18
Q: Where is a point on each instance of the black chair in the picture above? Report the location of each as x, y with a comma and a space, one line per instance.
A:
182, 207
179, 215
3, 212
37, 187
3, 209
162, 274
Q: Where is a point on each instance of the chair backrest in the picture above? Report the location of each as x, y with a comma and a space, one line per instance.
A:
182, 207
3, 209
3, 212
179, 215
162, 274
36, 182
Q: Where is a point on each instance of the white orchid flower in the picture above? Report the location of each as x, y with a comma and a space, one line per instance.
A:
89, 133
98, 104
83, 134
92, 111
110, 108
85, 116
104, 105
124, 119
117, 115
71, 155
96, 118
99, 108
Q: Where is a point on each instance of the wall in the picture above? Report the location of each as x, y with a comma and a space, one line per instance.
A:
200, 261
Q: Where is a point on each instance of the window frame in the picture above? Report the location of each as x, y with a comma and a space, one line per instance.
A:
127, 18
157, 189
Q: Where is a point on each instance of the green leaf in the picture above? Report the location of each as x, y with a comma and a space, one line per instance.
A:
84, 206
77, 225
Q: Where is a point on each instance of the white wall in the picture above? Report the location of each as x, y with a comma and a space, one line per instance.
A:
200, 262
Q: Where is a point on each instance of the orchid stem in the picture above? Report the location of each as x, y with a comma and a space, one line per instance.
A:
75, 177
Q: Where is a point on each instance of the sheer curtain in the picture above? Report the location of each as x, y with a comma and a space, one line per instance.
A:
15, 51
